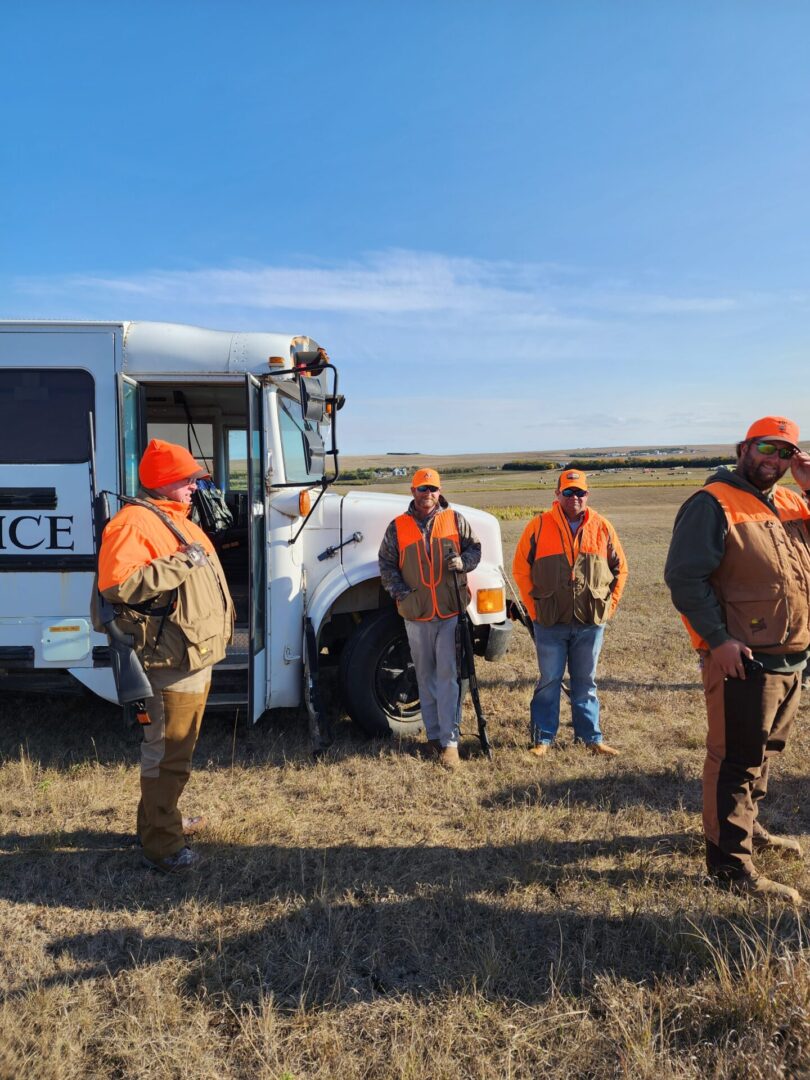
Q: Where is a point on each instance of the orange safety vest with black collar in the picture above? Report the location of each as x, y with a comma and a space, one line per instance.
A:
566, 578
763, 580
424, 569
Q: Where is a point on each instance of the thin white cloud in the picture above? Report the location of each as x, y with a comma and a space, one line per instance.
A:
388, 283
507, 355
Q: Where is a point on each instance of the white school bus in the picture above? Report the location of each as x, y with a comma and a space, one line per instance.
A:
78, 404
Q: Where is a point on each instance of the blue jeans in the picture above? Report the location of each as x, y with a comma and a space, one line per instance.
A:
578, 645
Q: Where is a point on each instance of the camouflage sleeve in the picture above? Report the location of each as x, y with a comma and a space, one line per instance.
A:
392, 580
470, 544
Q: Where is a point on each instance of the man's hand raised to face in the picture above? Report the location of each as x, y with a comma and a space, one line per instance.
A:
800, 467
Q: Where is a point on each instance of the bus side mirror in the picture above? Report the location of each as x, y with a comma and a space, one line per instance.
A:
314, 395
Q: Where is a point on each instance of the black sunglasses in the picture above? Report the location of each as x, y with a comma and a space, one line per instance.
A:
768, 449
569, 493
426, 487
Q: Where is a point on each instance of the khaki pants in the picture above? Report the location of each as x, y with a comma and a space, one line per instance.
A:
433, 651
749, 721
176, 713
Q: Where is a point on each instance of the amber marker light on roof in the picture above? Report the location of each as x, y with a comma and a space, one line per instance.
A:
304, 503
488, 601
276, 361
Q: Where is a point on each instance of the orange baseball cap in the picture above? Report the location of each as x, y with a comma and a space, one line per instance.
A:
572, 478
167, 463
775, 427
426, 476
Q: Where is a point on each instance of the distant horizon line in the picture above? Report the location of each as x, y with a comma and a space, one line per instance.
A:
617, 448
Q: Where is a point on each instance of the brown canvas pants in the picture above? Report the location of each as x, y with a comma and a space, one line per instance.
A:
176, 713
749, 721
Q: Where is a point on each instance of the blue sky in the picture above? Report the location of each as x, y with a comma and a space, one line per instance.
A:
514, 226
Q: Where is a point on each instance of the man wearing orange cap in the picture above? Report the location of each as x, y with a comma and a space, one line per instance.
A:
422, 552
570, 569
739, 573
172, 598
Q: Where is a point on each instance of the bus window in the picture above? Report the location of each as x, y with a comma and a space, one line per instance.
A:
46, 415
237, 460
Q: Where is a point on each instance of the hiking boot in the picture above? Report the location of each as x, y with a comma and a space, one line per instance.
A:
783, 845
540, 750
603, 748
448, 758
180, 863
757, 885
431, 749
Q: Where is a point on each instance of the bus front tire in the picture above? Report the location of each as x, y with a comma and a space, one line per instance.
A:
377, 677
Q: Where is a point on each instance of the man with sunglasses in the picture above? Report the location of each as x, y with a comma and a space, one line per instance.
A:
739, 573
422, 552
571, 570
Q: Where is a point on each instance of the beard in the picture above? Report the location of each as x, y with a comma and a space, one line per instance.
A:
763, 474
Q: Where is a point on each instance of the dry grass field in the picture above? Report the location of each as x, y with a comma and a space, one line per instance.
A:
493, 460
370, 916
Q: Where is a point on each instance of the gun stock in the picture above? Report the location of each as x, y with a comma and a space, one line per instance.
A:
130, 679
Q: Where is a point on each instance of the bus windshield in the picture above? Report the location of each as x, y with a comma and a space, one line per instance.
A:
293, 443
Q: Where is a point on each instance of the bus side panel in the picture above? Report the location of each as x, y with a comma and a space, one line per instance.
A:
47, 555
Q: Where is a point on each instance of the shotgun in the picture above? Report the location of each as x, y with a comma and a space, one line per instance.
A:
466, 667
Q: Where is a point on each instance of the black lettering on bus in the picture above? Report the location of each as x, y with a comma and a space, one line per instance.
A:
14, 526
57, 530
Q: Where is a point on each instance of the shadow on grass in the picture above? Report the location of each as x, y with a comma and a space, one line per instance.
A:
84, 728
338, 925
102, 871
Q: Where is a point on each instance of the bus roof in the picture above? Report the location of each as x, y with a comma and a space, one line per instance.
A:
168, 348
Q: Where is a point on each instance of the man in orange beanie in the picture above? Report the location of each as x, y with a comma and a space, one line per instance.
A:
172, 598
739, 572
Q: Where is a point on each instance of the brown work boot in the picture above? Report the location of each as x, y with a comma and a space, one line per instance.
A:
603, 748
448, 758
540, 750
758, 885
783, 845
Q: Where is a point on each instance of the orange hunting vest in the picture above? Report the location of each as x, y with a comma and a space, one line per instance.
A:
571, 576
763, 580
434, 593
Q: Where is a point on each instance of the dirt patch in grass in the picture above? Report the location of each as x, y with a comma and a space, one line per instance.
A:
369, 916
